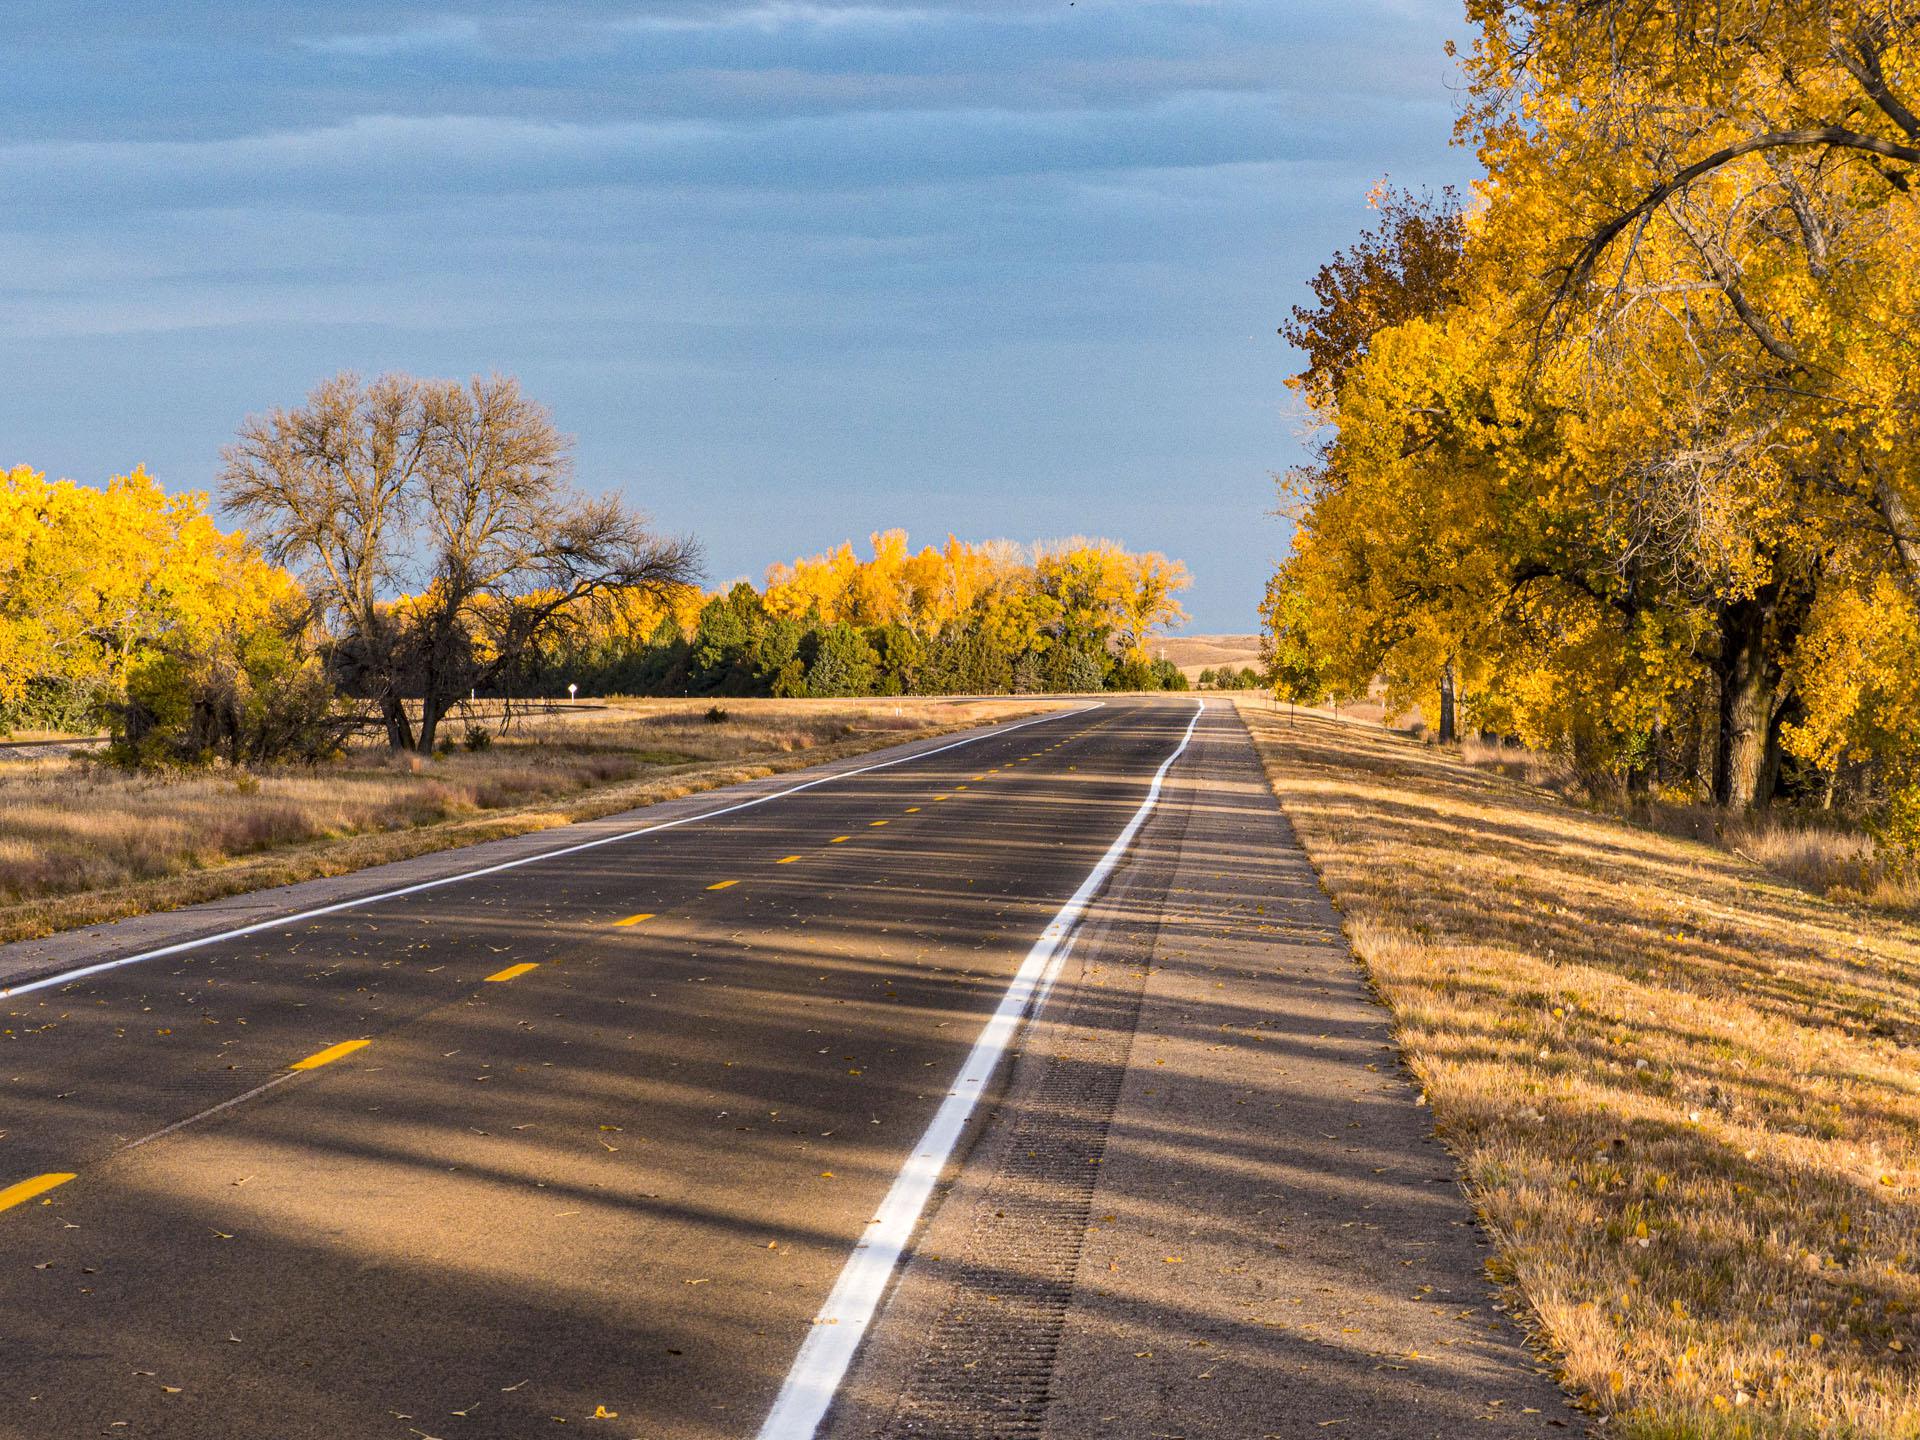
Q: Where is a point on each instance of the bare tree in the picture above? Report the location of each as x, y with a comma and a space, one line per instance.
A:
332, 487
460, 494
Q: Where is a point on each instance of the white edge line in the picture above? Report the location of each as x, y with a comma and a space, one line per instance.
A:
67, 977
1038, 1005
842, 1323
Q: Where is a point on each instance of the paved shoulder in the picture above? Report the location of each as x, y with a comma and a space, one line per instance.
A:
1209, 1205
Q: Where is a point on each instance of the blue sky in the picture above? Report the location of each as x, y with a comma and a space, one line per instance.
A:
789, 270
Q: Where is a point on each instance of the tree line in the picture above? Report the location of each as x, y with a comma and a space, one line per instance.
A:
997, 618
1226, 677
1620, 457
413, 544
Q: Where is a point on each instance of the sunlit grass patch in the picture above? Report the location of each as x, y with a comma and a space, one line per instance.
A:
1685, 1095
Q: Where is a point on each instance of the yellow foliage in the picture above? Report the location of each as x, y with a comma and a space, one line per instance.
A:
96, 579
1642, 449
1078, 587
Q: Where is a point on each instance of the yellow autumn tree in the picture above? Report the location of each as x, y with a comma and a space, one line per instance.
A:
96, 581
1074, 589
1607, 447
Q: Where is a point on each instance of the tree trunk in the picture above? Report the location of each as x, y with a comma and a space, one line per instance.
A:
1787, 710
432, 709
444, 668
393, 711
1893, 508
1747, 686
1447, 735
1771, 759
1646, 769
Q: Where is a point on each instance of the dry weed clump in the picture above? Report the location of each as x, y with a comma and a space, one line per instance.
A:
1685, 1097
1828, 855
78, 828
1825, 859
1518, 762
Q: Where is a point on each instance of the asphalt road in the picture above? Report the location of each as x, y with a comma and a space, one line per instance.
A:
588, 1141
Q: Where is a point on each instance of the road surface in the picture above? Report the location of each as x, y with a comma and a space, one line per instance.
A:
585, 1137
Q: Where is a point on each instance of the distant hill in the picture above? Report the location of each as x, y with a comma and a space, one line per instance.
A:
1194, 653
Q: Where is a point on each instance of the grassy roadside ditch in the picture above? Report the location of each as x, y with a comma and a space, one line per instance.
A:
82, 843
1685, 1095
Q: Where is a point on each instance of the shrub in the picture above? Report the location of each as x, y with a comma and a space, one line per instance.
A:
1080, 671
1168, 676
842, 664
248, 700
717, 715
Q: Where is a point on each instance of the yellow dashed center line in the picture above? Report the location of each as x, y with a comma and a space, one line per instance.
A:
943, 797
514, 972
643, 916
28, 1189
722, 884
876, 822
786, 859
329, 1055
839, 840
913, 810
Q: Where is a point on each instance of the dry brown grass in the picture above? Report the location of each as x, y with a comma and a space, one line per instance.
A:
1685, 1097
1829, 860
82, 842
1827, 853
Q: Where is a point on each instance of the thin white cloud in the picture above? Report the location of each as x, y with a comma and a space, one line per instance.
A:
765, 16
452, 31
371, 159
776, 15
467, 32
782, 15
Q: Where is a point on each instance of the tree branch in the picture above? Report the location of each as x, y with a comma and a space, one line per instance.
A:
1836, 137
1865, 68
